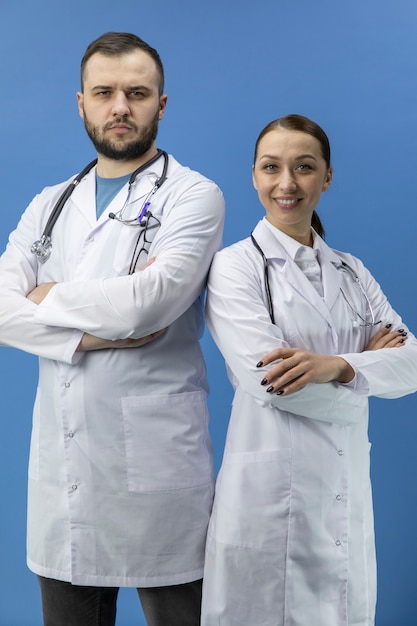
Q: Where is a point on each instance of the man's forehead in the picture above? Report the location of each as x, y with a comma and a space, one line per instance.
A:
133, 65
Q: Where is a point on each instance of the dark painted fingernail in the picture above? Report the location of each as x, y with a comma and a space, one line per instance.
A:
401, 330
404, 334
388, 326
270, 388
263, 381
259, 364
402, 340
280, 392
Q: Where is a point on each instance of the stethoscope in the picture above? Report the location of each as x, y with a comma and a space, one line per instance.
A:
42, 247
360, 322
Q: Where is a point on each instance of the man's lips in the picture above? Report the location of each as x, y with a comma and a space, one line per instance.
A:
120, 128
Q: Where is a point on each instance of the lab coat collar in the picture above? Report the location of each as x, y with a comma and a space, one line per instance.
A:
274, 249
84, 195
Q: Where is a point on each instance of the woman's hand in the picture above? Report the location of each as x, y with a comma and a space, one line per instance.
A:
297, 368
386, 338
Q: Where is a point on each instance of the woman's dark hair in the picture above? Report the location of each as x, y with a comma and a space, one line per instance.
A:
303, 125
117, 44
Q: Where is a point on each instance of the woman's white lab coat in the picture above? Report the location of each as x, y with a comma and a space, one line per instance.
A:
291, 538
120, 472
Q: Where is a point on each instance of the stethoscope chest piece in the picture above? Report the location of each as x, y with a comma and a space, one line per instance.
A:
42, 248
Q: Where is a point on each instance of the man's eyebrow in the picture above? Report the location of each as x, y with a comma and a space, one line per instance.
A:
128, 88
100, 87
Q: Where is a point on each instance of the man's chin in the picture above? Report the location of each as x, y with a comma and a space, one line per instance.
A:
122, 152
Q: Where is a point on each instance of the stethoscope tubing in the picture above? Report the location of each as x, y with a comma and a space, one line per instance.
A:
343, 265
42, 247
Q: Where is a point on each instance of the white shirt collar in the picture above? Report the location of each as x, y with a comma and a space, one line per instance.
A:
293, 248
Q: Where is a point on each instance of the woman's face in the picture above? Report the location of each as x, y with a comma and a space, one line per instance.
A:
290, 175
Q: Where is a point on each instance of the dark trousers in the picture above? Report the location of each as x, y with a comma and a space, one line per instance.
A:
64, 604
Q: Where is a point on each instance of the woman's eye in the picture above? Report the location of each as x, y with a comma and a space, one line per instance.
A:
270, 167
304, 167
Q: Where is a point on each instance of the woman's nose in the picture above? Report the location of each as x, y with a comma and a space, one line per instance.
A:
287, 181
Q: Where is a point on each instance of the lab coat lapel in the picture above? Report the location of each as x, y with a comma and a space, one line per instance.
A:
84, 198
273, 250
331, 276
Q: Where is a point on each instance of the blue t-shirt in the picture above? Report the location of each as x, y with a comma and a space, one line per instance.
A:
106, 190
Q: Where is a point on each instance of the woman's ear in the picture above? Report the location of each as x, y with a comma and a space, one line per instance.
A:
328, 179
254, 177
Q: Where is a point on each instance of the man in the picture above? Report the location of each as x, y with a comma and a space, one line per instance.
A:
120, 471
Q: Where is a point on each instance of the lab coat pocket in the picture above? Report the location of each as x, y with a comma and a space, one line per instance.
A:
167, 441
253, 499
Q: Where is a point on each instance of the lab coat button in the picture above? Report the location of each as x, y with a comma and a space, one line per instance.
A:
74, 487
71, 435
67, 385
338, 497
338, 543
340, 452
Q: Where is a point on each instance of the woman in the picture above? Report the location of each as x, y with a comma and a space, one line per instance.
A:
308, 336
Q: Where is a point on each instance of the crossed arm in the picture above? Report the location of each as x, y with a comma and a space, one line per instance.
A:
286, 377
90, 342
297, 368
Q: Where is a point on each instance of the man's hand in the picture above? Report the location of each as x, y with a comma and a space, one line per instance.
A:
89, 342
40, 292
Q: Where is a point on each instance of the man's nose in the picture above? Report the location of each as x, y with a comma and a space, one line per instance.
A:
120, 104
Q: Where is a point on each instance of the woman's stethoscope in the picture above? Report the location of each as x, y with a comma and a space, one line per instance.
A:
42, 247
343, 266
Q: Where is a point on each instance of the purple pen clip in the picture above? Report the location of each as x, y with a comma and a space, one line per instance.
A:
143, 212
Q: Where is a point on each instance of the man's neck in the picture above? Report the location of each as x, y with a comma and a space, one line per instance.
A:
111, 168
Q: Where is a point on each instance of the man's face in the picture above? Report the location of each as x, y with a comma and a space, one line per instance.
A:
120, 105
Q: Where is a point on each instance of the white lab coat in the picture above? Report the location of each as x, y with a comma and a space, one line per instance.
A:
291, 538
120, 472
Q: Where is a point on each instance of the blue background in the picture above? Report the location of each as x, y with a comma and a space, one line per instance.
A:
231, 67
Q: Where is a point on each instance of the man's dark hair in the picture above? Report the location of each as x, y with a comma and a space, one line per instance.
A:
117, 44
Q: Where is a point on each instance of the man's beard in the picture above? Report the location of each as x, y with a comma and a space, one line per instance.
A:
125, 151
